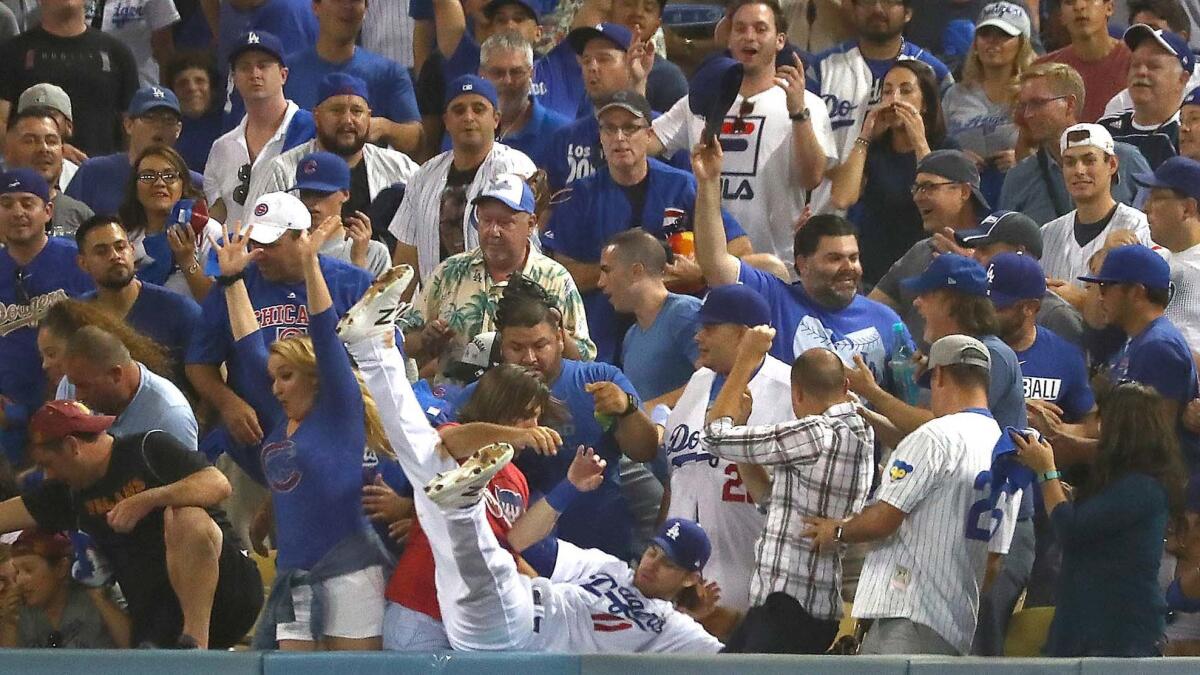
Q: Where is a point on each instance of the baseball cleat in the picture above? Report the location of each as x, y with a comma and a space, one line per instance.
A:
460, 488
376, 313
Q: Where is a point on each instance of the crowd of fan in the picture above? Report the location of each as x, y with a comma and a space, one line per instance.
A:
897, 299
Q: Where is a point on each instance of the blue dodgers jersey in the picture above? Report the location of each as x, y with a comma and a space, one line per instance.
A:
598, 519
863, 327
1160, 357
281, 310
574, 153
25, 294
597, 209
1054, 370
388, 84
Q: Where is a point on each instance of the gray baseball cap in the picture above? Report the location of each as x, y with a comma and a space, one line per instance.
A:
959, 349
47, 95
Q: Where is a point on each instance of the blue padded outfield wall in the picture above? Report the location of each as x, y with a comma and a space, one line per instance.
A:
57, 662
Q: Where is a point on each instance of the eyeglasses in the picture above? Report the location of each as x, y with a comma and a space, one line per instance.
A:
243, 189
739, 124
1024, 107
22, 293
628, 130
160, 119
150, 177
921, 188
516, 73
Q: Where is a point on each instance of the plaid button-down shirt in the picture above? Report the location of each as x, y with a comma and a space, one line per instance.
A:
822, 467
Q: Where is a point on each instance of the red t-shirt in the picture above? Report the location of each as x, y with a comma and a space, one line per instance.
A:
412, 584
1102, 79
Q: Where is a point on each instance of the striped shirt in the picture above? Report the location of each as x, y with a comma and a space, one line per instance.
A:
822, 468
388, 30
416, 221
1063, 257
931, 569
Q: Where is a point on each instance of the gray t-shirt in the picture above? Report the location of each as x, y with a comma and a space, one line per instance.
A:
69, 214
158, 404
81, 626
1059, 316
978, 124
378, 258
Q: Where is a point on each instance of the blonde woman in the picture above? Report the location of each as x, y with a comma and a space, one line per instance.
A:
979, 108
328, 593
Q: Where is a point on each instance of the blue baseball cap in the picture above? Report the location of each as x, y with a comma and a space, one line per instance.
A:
149, 98
1192, 98
1179, 173
1133, 264
734, 303
1013, 277
471, 84
259, 40
684, 542
713, 89
615, 33
322, 172
1170, 42
511, 190
24, 180
490, 9
951, 271
341, 84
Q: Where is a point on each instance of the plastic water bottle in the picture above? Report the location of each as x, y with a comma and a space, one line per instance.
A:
904, 371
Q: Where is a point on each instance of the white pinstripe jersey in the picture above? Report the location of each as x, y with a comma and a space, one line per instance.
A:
709, 490
1063, 257
930, 570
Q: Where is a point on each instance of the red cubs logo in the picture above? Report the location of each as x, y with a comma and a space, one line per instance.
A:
261, 210
309, 167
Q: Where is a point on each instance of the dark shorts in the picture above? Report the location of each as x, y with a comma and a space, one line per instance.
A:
781, 626
236, 604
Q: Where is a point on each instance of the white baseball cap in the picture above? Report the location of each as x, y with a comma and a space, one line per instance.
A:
1008, 17
275, 213
1088, 135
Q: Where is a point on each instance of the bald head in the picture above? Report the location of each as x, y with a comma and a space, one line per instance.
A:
819, 374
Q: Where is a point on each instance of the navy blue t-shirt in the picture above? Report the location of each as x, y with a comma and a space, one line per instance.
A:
165, 316
25, 293
1054, 370
388, 84
1159, 356
598, 519
597, 209
197, 137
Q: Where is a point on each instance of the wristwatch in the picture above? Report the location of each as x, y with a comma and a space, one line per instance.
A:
837, 534
802, 116
1049, 476
630, 407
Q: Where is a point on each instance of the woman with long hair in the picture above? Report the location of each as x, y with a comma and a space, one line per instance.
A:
979, 107
1109, 601
64, 318
509, 405
166, 254
328, 592
876, 179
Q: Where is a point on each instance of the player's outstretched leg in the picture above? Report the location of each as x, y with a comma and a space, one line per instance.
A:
486, 604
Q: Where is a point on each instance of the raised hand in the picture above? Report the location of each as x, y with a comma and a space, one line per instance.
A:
755, 343
235, 254
640, 58
310, 242
586, 472
790, 78
706, 160
610, 399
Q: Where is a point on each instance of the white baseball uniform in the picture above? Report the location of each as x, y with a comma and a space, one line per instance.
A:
931, 569
589, 604
708, 489
1063, 257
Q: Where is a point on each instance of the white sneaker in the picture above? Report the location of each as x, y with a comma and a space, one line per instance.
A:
461, 487
376, 313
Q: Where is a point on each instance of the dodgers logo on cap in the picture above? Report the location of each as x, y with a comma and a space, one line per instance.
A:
252, 38
673, 531
261, 210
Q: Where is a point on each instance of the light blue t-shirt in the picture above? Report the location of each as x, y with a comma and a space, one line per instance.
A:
158, 404
662, 358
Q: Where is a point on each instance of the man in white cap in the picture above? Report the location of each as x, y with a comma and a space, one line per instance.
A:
1159, 71
275, 282
448, 312
1089, 166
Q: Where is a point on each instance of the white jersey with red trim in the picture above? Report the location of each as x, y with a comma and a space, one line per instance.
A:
590, 606
709, 490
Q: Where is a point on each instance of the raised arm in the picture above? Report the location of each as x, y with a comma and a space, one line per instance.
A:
585, 474
233, 256
808, 157
461, 441
719, 266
